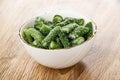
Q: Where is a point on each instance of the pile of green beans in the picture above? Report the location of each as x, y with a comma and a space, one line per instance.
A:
58, 33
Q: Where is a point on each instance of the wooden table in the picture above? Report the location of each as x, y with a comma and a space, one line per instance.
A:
102, 61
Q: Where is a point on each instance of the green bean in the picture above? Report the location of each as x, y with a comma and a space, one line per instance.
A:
78, 41
66, 21
45, 29
70, 20
64, 40
54, 45
23, 35
38, 22
58, 41
63, 23
79, 31
48, 23
27, 36
57, 19
32, 37
36, 34
68, 28
36, 43
90, 33
52, 34
37, 27
80, 21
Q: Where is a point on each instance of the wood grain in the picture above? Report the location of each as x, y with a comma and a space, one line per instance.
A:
102, 61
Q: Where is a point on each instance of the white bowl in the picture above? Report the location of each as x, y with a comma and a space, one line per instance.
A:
58, 58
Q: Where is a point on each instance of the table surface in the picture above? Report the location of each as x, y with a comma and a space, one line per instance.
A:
102, 61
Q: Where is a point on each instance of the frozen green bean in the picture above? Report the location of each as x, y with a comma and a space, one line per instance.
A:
78, 41
27, 36
49, 23
36, 34
70, 20
36, 43
33, 37
53, 33
38, 22
57, 19
54, 45
90, 33
80, 21
66, 21
58, 41
64, 40
45, 29
79, 31
24, 35
63, 23
68, 28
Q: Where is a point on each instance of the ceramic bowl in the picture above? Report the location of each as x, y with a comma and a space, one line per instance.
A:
58, 58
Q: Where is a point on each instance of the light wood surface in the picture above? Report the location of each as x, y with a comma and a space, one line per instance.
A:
102, 61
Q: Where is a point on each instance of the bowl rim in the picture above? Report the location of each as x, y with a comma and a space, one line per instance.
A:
23, 25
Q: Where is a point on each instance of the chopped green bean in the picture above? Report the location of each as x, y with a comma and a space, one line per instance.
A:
37, 27
36, 43
79, 31
63, 23
70, 20
45, 29
78, 41
33, 37
64, 40
58, 41
68, 28
80, 22
57, 19
38, 22
90, 33
27, 36
48, 23
24, 35
52, 34
54, 45
36, 34
66, 21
